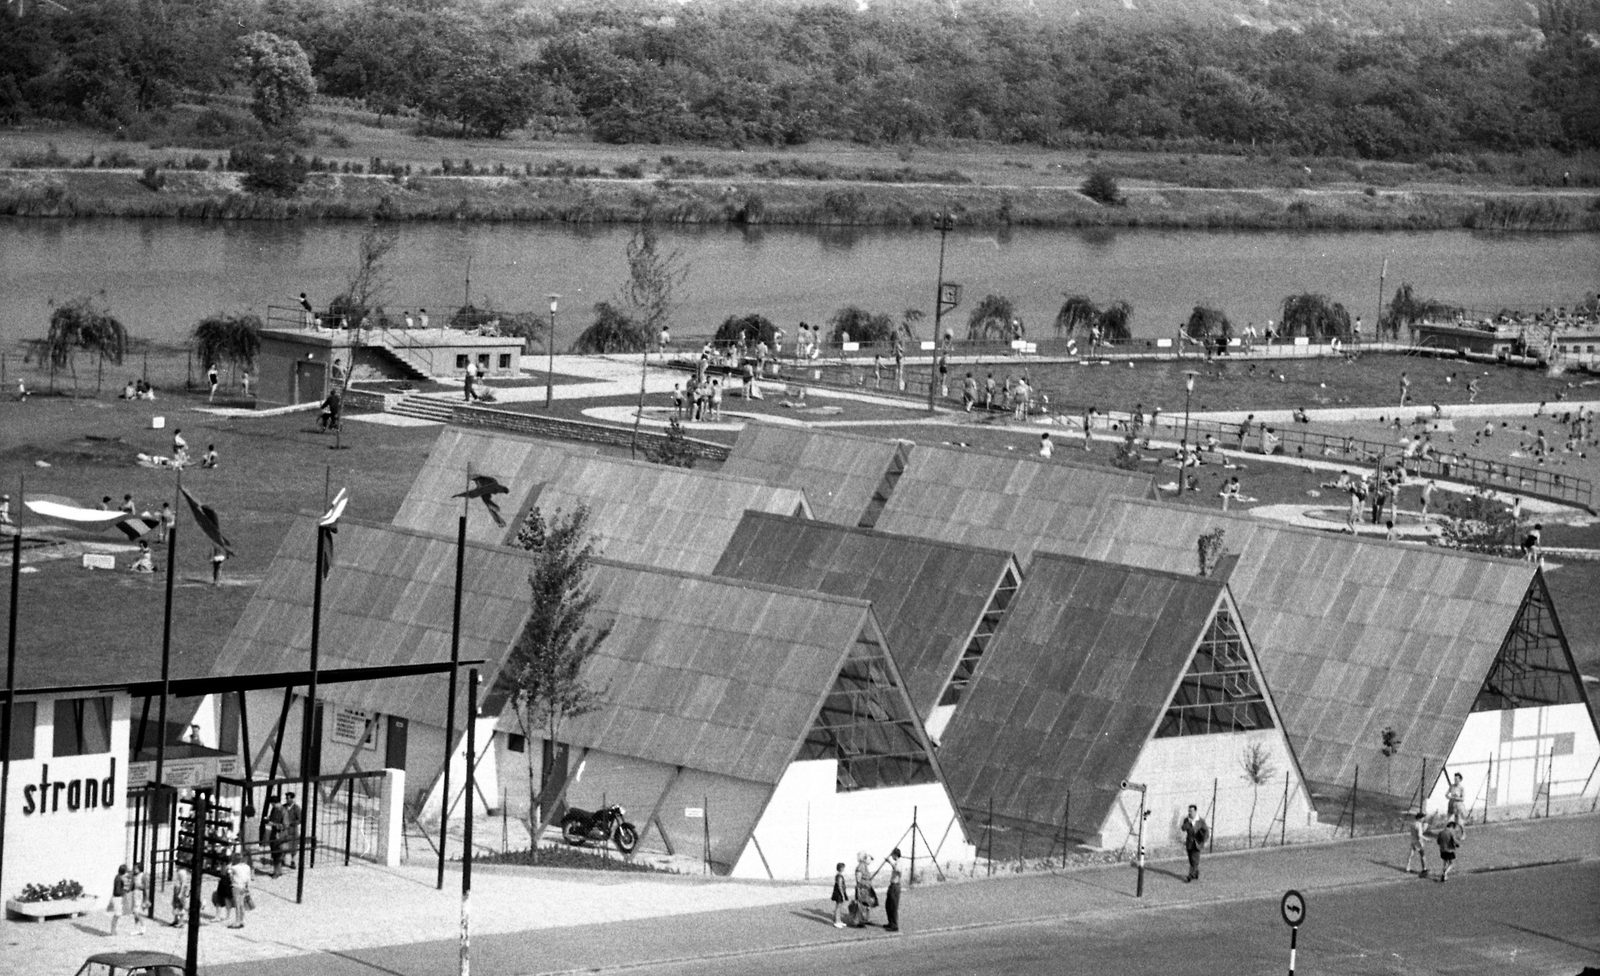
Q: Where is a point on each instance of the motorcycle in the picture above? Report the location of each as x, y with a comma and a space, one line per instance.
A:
579, 827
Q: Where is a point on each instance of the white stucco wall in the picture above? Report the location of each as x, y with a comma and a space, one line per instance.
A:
1186, 769
1504, 758
808, 827
50, 842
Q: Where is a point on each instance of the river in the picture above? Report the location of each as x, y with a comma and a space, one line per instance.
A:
160, 277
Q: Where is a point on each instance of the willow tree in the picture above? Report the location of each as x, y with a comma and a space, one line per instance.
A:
612, 330
994, 318
82, 324
860, 325
1406, 309
231, 339
1116, 321
1077, 314
1315, 317
1207, 323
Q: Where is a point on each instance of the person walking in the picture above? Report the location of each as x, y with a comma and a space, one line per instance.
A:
839, 897
291, 828
127, 897
1450, 837
1417, 830
180, 895
1195, 835
891, 901
1427, 498
239, 875
1456, 797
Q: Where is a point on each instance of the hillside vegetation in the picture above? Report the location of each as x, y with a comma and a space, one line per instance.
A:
1438, 80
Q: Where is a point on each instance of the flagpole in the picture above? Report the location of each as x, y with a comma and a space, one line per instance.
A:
308, 721
11, 675
166, 684
466, 841
455, 664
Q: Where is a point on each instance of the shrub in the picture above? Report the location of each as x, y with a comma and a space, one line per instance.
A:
153, 179
269, 169
62, 890
1101, 187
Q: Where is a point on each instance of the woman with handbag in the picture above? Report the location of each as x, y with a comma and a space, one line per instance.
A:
238, 876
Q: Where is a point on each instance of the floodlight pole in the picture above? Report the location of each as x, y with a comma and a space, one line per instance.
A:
550, 372
308, 724
942, 222
455, 669
11, 689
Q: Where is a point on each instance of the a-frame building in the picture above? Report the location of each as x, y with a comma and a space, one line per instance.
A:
765, 729
939, 603
1105, 674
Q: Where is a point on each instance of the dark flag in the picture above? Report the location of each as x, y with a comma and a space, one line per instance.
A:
328, 527
485, 488
206, 517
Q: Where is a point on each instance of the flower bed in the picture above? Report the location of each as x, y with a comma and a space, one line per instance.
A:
63, 899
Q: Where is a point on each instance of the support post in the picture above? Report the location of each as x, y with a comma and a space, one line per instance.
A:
191, 958
308, 726
9, 714
912, 880
1355, 800
161, 712
1294, 938
349, 815
466, 840
455, 662
1139, 885
1283, 828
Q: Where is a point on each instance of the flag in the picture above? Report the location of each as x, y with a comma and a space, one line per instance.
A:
206, 517
485, 488
328, 527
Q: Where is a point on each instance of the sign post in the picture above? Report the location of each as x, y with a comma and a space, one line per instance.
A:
1293, 909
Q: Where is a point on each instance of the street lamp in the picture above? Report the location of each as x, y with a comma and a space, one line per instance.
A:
550, 373
942, 222
1188, 392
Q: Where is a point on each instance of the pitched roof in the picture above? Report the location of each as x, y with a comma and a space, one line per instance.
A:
519, 463
655, 515
999, 499
388, 600
711, 674
1072, 686
839, 473
929, 596
1353, 635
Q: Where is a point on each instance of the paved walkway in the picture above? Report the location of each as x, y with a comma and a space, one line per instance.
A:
365, 920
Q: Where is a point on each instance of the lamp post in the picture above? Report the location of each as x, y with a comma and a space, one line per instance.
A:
1188, 392
942, 222
550, 373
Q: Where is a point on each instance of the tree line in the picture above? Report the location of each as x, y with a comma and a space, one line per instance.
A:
749, 74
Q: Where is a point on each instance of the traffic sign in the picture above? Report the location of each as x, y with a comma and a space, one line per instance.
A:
1293, 908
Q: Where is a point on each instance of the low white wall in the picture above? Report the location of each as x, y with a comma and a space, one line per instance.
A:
1187, 769
1504, 758
54, 835
808, 827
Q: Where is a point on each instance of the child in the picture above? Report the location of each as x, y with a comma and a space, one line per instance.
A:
209, 459
1449, 840
1417, 830
677, 401
180, 896
839, 897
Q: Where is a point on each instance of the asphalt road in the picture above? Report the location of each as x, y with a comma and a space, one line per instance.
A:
1539, 920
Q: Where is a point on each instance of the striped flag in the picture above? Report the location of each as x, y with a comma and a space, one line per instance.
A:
206, 517
328, 527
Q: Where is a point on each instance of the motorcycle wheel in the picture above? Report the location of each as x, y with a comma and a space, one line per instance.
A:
627, 838
573, 833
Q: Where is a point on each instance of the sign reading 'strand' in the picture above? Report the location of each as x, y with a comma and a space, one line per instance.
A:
72, 794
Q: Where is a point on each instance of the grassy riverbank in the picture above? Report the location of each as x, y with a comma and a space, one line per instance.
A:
365, 171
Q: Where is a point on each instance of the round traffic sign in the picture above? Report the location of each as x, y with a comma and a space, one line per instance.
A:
1293, 907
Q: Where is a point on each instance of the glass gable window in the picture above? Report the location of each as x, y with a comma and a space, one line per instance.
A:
1220, 692
83, 726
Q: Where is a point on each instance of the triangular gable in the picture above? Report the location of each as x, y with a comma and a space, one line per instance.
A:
867, 722
1221, 690
1534, 665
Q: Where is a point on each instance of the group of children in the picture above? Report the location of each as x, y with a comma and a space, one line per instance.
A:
702, 400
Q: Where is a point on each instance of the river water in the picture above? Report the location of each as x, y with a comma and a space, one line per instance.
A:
161, 276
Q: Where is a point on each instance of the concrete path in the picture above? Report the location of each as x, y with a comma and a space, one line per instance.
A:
362, 919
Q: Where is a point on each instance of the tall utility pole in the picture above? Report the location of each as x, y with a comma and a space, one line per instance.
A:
942, 222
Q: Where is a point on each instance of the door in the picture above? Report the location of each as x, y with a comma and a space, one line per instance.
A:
394, 744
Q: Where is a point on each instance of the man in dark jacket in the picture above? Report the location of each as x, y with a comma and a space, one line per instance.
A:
1195, 835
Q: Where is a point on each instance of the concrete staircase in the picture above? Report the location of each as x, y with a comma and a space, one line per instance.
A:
424, 406
404, 360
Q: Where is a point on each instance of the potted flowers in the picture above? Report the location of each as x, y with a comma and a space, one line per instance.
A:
39, 902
